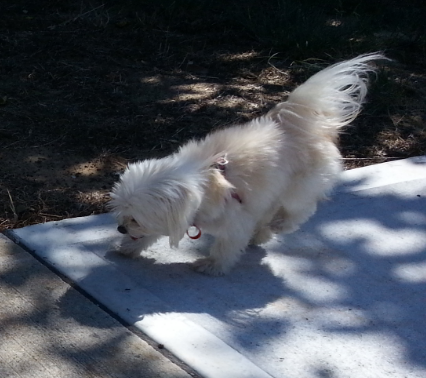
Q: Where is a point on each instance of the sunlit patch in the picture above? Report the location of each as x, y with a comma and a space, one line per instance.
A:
334, 22
151, 80
238, 56
375, 239
85, 169
93, 196
197, 91
299, 277
411, 272
35, 158
348, 317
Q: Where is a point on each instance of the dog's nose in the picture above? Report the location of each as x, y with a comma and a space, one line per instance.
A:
122, 230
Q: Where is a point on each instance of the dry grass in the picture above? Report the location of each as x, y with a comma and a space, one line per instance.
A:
87, 86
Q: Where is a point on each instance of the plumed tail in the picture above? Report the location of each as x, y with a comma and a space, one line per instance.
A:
330, 99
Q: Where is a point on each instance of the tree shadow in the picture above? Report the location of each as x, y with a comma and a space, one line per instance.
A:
49, 327
371, 245
355, 271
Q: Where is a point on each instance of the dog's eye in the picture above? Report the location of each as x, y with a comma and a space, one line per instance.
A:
133, 221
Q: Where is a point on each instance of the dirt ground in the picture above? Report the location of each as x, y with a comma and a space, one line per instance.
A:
84, 89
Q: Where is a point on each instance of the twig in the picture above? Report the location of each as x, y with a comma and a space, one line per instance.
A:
76, 17
36, 146
269, 62
51, 215
12, 206
83, 14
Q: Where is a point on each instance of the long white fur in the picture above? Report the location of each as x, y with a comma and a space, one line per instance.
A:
279, 167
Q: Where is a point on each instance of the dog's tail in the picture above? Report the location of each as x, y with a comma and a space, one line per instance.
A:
330, 99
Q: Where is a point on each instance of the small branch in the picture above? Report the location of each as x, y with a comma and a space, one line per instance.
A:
84, 14
12, 206
77, 17
51, 215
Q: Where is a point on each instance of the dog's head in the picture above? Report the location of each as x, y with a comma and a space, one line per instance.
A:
155, 197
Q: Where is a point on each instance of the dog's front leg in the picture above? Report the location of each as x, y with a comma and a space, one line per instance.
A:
132, 248
226, 250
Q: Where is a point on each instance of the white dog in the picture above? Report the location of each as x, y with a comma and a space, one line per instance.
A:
247, 182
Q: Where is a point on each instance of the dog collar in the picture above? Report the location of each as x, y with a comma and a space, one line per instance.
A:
197, 235
220, 165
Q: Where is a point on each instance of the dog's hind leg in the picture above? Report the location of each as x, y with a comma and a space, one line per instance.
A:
263, 232
287, 221
221, 259
261, 235
227, 249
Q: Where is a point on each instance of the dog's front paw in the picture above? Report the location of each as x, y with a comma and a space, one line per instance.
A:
133, 247
129, 247
129, 250
210, 266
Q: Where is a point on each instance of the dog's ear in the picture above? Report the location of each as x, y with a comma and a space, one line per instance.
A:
182, 208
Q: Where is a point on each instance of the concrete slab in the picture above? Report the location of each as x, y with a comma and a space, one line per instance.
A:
48, 329
343, 297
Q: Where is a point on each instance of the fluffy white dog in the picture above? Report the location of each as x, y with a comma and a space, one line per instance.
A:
247, 182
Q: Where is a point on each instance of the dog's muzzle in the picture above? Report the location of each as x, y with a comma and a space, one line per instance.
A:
122, 230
